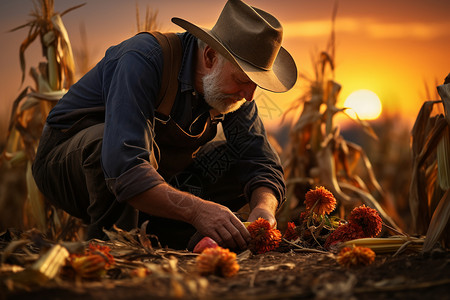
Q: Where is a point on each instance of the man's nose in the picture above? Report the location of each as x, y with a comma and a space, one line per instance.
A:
249, 92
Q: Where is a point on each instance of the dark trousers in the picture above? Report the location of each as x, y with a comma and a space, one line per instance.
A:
68, 171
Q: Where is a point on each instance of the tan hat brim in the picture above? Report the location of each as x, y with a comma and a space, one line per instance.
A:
280, 78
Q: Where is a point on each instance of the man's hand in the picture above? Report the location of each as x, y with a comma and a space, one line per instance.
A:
263, 204
209, 218
220, 224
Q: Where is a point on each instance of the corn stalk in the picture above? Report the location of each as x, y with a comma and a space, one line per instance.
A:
319, 155
429, 191
52, 78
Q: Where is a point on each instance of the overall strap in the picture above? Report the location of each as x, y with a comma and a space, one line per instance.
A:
172, 54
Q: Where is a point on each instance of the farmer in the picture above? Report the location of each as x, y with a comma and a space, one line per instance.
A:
109, 156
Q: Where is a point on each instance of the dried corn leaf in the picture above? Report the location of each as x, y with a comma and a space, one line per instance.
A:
422, 125
29, 103
439, 222
16, 158
328, 178
27, 42
143, 239
15, 106
5, 268
122, 237
443, 160
426, 135
364, 124
13, 246
370, 201
36, 201
359, 153
72, 8
66, 56
444, 93
49, 96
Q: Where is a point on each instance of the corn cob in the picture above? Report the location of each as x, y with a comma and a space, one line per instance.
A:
387, 245
49, 264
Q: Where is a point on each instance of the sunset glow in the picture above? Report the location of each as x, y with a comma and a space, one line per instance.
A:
376, 48
364, 104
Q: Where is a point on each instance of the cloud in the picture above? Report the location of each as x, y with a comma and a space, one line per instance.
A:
368, 27
413, 30
313, 28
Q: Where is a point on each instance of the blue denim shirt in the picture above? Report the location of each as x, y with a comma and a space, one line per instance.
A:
125, 84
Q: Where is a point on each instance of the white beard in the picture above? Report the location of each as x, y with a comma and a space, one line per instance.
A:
221, 102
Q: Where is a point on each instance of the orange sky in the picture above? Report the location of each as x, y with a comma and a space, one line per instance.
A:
390, 47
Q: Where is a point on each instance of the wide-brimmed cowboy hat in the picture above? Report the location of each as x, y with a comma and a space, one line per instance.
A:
251, 39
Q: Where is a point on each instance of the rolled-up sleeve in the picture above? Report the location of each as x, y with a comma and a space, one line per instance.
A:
261, 165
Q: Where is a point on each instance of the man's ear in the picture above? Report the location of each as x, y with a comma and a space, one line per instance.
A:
209, 57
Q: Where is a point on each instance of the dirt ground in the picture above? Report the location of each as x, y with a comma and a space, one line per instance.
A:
273, 275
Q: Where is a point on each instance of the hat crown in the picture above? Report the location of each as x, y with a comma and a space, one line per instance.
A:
249, 33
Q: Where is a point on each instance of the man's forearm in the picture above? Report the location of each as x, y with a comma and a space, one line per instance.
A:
263, 204
209, 218
167, 202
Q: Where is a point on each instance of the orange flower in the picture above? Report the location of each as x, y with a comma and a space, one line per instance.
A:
320, 201
96, 249
368, 219
344, 233
264, 237
88, 266
355, 256
93, 263
217, 261
291, 233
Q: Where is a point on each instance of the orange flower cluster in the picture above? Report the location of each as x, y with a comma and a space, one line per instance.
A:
96, 249
363, 222
343, 233
368, 219
93, 263
291, 233
320, 201
217, 261
264, 237
355, 256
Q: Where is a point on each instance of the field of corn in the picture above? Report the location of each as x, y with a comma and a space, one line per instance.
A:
364, 220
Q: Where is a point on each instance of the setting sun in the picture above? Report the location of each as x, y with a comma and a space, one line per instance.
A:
364, 103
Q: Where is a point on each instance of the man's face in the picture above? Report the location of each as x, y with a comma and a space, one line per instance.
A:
226, 88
